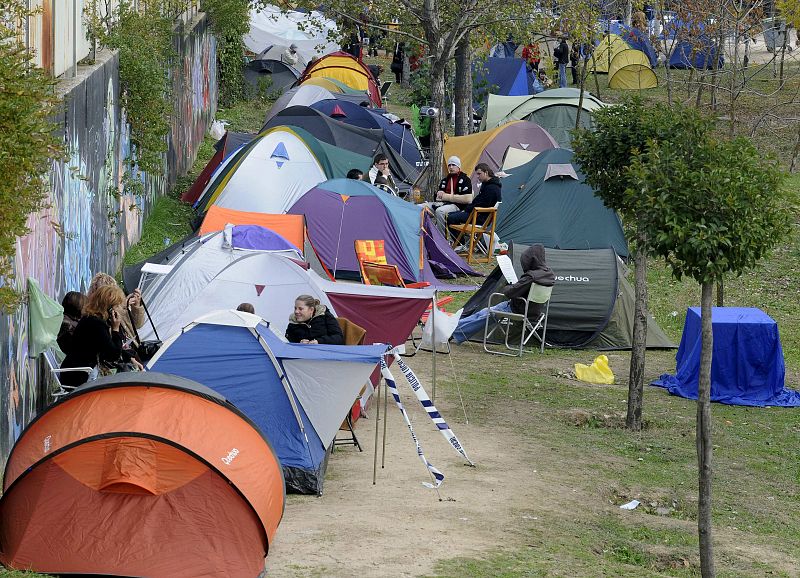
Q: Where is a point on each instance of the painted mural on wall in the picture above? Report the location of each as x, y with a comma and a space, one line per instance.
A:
89, 221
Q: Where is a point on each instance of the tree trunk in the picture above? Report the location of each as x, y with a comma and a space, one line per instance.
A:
628, 12
783, 54
463, 89
704, 447
721, 293
633, 420
583, 73
437, 128
405, 80
796, 152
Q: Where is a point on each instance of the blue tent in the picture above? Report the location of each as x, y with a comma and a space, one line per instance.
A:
638, 40
398, 135
504, 76
699, 54
298, 395
747, 365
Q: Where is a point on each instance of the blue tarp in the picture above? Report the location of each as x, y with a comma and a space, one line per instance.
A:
747, 365
505, 76
698, 55
637, 39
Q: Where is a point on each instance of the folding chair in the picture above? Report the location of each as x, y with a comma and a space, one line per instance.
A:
505, 320
374, 268
53, 366
353, 335
475, 233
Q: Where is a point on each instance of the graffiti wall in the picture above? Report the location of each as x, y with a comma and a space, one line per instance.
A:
90, 220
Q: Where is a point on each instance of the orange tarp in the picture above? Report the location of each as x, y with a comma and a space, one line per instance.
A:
290, 227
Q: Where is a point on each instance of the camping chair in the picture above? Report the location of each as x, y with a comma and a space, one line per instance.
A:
374, 268
505, 320
475, 233
53, 366
353, 335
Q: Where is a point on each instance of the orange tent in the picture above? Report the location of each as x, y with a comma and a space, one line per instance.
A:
141, 474
290, 227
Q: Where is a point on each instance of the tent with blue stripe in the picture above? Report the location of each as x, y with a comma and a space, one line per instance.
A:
297, 395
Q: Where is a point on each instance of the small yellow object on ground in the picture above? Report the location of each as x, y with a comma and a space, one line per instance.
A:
597, 372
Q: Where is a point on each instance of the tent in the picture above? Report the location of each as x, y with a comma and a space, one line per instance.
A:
554, 110
503, 50
638, 40
303, 95
344, 68
274, 169
398, 134
271, 25
490, 146
141, 474
506, 76
296, 394
606, 50
290, 227
342, 210
592, 301
225, 147
630, 70
337, 87
267, 76
547, 201
364, 141
206, 276
276, 52
698, 53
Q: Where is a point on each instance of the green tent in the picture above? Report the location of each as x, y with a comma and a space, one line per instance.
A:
554, 110
591, 305
547, 201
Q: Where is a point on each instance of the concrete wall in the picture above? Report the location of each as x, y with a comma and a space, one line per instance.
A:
90, 221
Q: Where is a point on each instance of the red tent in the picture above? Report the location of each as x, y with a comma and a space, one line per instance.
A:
141, 474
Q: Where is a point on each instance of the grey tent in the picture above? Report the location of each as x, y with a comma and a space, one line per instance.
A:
547, 201
591, 305
266, 75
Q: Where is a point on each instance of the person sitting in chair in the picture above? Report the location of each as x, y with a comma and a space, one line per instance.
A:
313, 323
536, 271
73, 304
454, 194
381, 176
488, 196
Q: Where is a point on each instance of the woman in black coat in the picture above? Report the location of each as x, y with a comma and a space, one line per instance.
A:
312, 323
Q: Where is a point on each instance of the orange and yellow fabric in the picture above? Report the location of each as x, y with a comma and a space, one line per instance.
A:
371, 251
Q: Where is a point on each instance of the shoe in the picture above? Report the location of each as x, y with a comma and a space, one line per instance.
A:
461, 249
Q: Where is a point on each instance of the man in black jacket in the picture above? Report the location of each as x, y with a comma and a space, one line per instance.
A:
488, 196
561, 54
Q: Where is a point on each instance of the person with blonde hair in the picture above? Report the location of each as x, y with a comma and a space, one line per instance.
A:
132, 303
97, 337
313, 323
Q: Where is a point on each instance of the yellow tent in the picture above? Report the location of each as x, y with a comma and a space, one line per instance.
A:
609, 47
630, 70
341, 67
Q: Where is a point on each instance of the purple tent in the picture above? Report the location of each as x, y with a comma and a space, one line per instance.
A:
259, 239
340, 211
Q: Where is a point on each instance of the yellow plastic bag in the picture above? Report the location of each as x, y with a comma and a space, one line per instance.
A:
597, 372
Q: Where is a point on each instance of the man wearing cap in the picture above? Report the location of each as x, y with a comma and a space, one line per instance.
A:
454, 194
289, 56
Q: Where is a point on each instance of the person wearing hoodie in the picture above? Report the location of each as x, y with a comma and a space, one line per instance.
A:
312, 323
535, 270
489, 195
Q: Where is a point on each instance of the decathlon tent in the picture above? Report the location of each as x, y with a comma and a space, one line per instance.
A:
398, 134
591, 305
555, 110
547, 201
274, 169
364, 141
606, 50
296, 394
346, 69
141, 474
271, 25
225, 147
630, 70
490, 146
699, 53
303, 95
342, 210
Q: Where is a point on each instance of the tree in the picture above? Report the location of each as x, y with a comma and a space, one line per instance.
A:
710, 208
621, 133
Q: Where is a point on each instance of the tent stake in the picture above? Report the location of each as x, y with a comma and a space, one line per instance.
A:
385, 415
433, 343
377, 419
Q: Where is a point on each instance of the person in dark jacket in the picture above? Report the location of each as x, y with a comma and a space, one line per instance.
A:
561, 54
535, 270
73, 304
312, 323
97, 337
454, 194
488, 196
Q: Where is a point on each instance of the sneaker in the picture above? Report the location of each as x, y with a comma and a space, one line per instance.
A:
461, 249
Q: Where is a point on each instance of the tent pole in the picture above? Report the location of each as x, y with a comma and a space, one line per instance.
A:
433, 343
377, 419
385, 415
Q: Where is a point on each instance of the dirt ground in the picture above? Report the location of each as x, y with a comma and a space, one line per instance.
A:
398, 527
